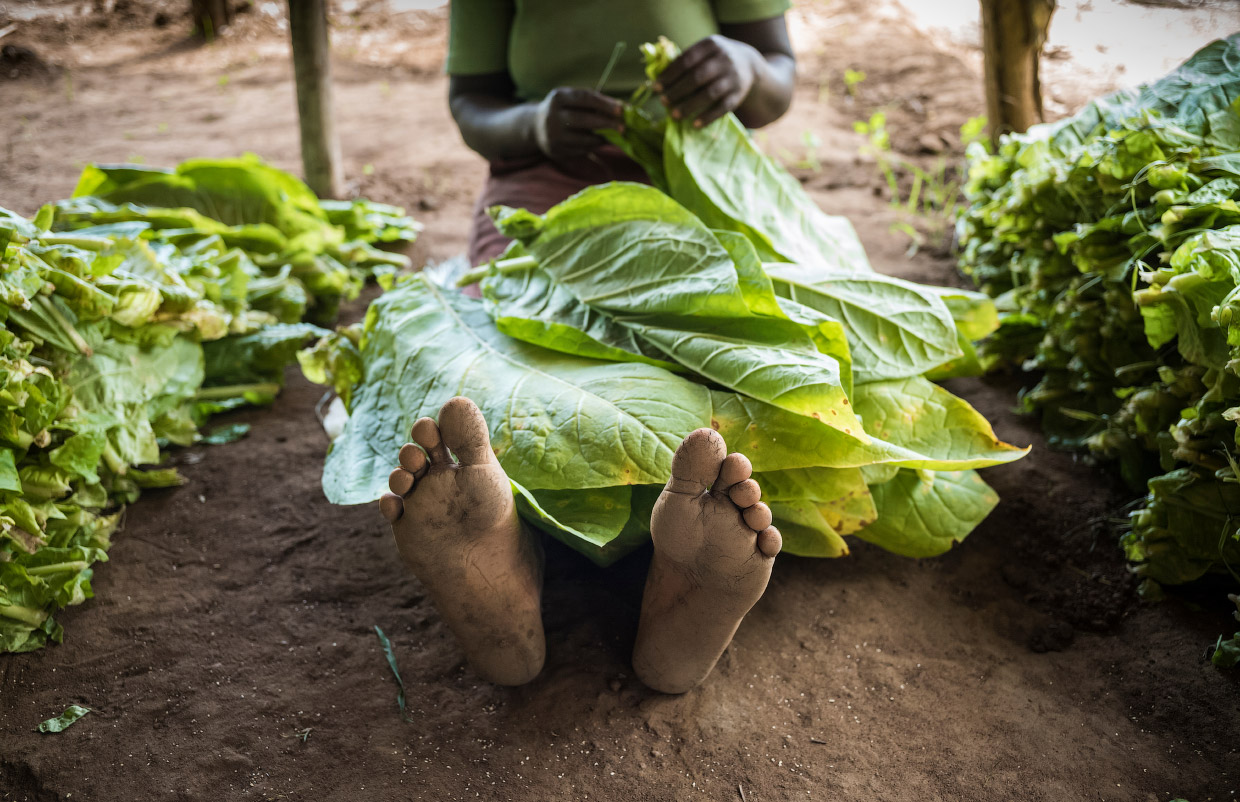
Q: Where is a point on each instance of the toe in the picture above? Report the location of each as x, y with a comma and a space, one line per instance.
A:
735, 468
413, 459
758, 517
392, 507
696, 463
426, 434
400, 482
464, 431
745, 494
770, 541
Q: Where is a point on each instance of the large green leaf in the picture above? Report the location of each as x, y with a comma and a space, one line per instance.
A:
774, 439
919, 419
595, 515
630, 253
749, 356
895, 328
529, 306
232, 191
976, 317
923, 513
557, 421
806, 531
840, 494
604, 524
815, 507
719, 173
973, 312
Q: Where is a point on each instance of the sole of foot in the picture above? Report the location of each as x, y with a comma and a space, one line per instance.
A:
457, 529
713, 551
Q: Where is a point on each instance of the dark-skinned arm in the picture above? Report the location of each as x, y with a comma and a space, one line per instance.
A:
495, 124
748, 68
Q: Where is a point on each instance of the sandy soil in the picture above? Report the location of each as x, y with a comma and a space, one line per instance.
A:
230, 652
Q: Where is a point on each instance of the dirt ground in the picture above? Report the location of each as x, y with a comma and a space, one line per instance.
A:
230, 652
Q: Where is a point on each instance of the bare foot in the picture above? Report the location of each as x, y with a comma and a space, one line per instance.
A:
457, 528
713, 552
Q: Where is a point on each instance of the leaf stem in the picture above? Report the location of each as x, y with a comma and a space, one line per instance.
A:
234, 390
55, 568
61, 321
27, 615
513, 265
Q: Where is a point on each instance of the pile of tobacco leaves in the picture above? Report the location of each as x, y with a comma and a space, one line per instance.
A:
630, 315
132, 312
1111, 243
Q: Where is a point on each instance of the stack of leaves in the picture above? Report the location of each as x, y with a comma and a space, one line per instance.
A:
629, 315
127, 323
1112, 242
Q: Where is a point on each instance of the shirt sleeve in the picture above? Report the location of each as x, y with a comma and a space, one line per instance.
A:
478, 32
735, 11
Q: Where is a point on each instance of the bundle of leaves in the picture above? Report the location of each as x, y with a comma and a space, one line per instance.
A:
1110, 240
629, 315
126, 324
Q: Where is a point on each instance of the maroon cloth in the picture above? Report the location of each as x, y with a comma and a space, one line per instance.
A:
538, 185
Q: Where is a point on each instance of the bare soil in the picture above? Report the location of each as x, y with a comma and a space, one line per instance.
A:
231, 653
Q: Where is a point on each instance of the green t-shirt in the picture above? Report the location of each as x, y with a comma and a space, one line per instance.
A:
544, 44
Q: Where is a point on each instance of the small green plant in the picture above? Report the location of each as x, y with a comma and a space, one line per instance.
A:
974, 130
809, 159
934, 195
851, 79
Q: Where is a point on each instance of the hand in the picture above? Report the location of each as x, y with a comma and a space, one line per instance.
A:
710, 79
568, 117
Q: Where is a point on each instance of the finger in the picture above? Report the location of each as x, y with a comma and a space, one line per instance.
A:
588, 120
692, 107
684, 62
730, 102
770, 541
401, 482
413, 459
745, 494
575, 143
758, 517
392, 507
694, 81
589, 100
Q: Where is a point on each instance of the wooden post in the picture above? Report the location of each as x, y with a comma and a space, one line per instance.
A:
320, 149
1013, 32
210, 16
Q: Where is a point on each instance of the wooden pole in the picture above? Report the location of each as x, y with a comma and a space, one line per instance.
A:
320, 149
210, 16
1013, 32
